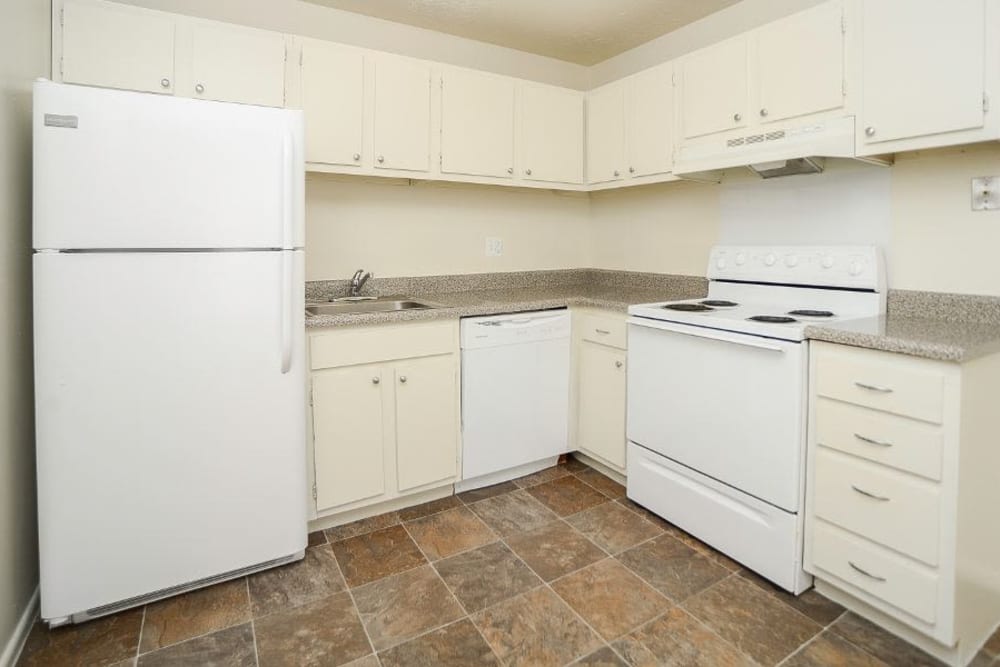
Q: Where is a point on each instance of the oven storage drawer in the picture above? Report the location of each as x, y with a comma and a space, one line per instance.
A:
901, 385
902, 443
891, 508
604, 330
903, 584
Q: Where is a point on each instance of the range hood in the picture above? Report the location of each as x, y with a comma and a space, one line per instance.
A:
785, 149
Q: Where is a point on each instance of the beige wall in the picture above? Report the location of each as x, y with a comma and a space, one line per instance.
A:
24, 55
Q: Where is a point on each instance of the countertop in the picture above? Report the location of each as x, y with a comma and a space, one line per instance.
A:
931, 338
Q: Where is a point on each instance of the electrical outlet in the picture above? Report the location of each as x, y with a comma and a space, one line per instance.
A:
986, 193
494, 246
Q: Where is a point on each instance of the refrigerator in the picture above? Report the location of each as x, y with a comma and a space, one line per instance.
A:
169, 345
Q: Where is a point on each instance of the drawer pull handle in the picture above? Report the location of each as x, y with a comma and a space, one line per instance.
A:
872, 441
867, 574
603, 332
872, 387
869, 494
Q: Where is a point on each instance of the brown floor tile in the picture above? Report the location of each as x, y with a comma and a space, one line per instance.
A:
192, 614
475, 495
674, 569
362, 526
574, 465
485, 576
567, 495
610, 598
554, 549
542, 476
993, 644
232, 647
676, 639
327, 632
880, 643
315, 576
984, 659
712, 554
512, 512
819, 608
602, 483
429, 508
752, 620
829, 650
450, 532
405, 605
603, 657
99, 642
367, 661
612, 527
536, 628
317, 538
458, 645
366, 558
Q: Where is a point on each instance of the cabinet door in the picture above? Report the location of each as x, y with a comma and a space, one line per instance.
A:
605, 133
800, 63
426, 421
477, 124
232, 63
602, 402
333, 102
714, 90
348, 437
922, 68
650, 123
105, 44
402, 114
551, 134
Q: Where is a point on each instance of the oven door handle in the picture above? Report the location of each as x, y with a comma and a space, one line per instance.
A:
711, 334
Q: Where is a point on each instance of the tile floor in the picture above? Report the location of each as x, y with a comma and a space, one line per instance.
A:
555, 568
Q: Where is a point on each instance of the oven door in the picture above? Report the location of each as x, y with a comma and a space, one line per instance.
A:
729, 405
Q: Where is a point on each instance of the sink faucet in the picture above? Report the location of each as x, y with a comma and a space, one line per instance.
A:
358, 281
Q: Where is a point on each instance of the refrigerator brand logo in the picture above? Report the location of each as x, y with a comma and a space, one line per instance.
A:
59, 120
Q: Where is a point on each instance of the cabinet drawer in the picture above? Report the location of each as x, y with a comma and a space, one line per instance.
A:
894, 441
604, 330
880, 573
888, 507
372, 344
881, 380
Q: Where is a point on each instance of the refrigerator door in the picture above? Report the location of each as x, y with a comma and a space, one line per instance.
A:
171, 407
119, 169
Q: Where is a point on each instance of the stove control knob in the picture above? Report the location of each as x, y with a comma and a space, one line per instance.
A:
770, 259
720, 263
856, 268
791, 261
827, 261
741, 258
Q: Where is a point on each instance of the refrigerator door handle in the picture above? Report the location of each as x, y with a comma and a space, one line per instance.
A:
288, 190
287, 314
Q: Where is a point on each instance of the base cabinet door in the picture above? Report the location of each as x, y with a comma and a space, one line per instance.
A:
333, 103
348, 434
602, 402
426, 420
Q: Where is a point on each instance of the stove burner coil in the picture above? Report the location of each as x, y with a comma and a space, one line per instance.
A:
772, 319
811, 313
688, 307
719, 303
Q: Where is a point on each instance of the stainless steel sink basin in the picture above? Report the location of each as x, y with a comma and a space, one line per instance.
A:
386, 304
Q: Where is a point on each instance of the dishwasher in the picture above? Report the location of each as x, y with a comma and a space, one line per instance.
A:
515, 394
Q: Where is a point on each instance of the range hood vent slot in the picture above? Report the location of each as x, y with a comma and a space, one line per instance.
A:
790, 167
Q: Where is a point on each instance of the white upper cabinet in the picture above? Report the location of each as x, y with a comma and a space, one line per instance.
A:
233, 63
800, 64
477, 123
332, 85
649, 104
402, 124
551, 138
117, 46
606, 133
923, 70
715, 88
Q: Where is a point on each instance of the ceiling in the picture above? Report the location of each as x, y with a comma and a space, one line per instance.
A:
579, 31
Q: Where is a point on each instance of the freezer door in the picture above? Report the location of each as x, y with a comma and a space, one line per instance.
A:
119, 169
170, 414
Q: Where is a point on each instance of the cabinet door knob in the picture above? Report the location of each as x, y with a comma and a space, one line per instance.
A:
357, 156
402, 379
528, 172
376, 380
618, 364
510, 170
380, 159
869, 131
631, 170
763, 112
165, 82
737, 117
617, 173
199, 89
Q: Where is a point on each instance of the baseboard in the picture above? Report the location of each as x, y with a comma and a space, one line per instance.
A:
12, 650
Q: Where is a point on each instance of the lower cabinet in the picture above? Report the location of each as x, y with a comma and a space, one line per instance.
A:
600, 381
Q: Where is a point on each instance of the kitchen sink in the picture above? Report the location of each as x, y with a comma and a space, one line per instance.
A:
386, 304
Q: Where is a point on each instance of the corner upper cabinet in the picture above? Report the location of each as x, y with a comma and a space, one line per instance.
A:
649, 121
714, 88
402, 121
332, 89
117, 46
477, 124
551, 137
231, 63
606, 133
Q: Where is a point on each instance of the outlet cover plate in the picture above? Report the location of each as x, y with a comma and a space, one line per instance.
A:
986, 193
494, 246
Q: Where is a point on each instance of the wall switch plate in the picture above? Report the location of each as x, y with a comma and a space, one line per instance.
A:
986, 193
494, 246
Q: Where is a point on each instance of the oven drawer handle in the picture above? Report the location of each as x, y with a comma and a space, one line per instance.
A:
869, 494
872, 441
864, 572
873, 387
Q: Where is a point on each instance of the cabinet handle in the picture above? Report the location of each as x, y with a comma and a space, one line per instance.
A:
402, 379
737, 117
873, 387
199, 89
380, 159
869, 131
631, 170
617, 173
618, 364
376, 380
869, 494
872, 441
165, 82
603, 332
867, 574
763, 113
528, 172
357, 156
510, 170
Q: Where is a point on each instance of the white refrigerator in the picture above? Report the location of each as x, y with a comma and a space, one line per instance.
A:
169, 345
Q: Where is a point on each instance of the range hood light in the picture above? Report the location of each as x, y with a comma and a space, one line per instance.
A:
793, 167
